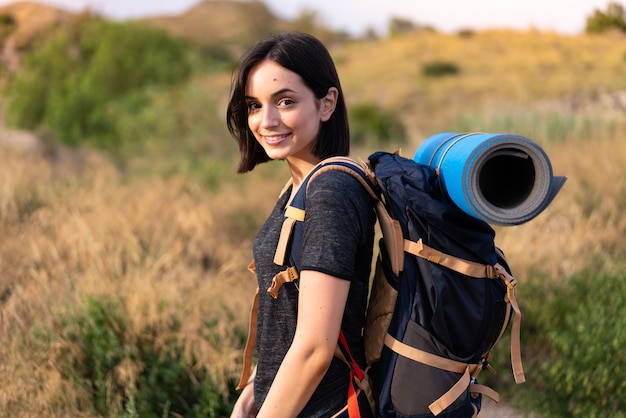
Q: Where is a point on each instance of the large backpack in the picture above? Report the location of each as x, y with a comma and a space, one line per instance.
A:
441, 298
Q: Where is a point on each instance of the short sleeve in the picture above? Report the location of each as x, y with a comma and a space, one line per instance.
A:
336, 226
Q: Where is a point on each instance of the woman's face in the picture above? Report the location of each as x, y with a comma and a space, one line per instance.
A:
283, 113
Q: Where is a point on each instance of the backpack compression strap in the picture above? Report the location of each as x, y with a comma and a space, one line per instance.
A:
468, 371
481, 271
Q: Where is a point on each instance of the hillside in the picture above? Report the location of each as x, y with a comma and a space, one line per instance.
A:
24, 22
496, 70
223, 27
123, 280
33, 19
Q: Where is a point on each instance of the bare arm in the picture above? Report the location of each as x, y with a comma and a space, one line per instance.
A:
321, 303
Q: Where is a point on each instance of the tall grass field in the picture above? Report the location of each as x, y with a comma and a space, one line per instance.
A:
124, 289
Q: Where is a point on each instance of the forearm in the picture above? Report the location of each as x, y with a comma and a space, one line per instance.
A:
299, 375
322, 299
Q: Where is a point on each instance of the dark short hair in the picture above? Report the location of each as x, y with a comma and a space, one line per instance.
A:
306, 56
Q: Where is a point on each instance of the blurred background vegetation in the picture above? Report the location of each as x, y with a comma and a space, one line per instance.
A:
126, 232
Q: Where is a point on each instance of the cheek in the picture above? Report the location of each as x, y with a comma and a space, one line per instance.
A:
253, 124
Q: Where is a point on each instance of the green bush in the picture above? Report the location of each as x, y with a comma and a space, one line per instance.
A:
399, 26
585, 328
371, 125
439, 69
67, 81
613, 18
573, 336
7, 25
142, 374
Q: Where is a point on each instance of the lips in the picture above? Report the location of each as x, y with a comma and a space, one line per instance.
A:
274, 140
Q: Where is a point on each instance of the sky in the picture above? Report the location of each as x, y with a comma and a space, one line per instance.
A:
357, 16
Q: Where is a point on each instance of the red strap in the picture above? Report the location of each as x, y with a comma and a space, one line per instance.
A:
355, 366
353, 402
355, 373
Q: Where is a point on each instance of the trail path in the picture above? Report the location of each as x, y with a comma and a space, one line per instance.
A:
490, 409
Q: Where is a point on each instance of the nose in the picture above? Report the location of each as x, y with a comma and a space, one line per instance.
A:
271, 117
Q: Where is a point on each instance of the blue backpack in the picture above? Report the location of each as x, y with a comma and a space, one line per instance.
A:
442, 295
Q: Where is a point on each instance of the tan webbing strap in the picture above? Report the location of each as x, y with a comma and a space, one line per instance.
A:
445, 364
393, 238
516, 344
516, 351
352, 171
424, 357
484, 390
391, 229
288, 275
451, 395
286, 186
468, 268
247, 352
292, 215
366, 385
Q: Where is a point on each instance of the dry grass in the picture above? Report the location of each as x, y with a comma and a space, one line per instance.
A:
171, 250
156, 245
33, 19
584, 226
165, 248
496, 67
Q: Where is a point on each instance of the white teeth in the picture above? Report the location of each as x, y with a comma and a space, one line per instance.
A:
274, 139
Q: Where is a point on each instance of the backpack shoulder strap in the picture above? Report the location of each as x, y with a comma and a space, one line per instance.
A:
295, 212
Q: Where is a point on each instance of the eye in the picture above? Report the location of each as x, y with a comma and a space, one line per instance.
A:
252, 106
286, 102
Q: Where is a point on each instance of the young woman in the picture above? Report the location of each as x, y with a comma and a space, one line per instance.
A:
287, 104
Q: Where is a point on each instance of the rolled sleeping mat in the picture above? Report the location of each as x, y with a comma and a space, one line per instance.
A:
503, 179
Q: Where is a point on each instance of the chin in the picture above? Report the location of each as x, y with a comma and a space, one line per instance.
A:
279, 156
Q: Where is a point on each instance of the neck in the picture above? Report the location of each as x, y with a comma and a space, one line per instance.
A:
300, 169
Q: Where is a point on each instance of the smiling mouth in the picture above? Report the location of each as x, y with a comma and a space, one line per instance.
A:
275, 139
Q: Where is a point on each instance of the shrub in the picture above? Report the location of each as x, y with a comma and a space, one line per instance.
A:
399, 26
7, 25
142, 374
585, 328
466, 33
67, 81
369, 124
613, 18
439, 69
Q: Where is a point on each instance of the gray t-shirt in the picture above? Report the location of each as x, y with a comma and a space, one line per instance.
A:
338, 240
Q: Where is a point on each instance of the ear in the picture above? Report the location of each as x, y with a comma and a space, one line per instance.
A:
328, 104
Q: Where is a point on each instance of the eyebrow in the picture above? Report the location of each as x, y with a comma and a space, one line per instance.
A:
278, 93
